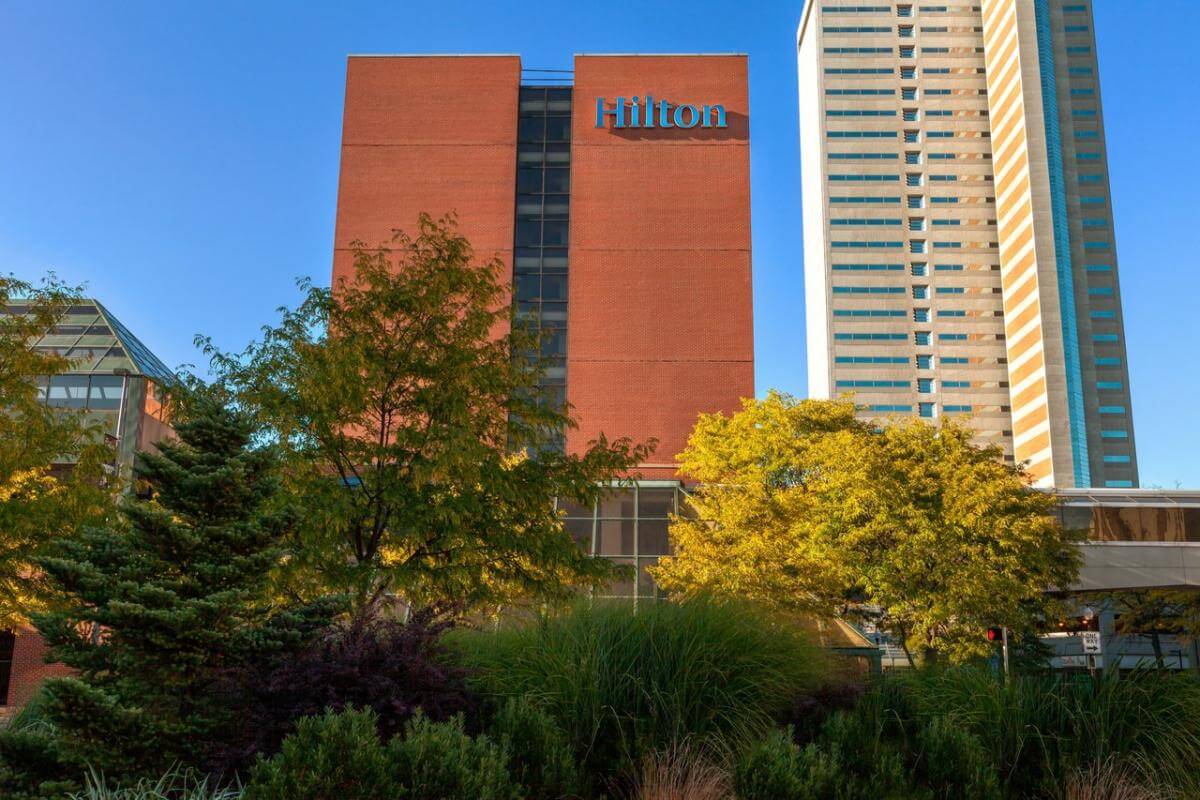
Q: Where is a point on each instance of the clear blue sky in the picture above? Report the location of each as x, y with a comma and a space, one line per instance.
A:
182, 158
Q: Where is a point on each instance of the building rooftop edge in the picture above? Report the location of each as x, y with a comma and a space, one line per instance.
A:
665, 55
433, 55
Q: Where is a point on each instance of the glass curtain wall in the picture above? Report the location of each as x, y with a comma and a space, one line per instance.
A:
628, 526
541, 227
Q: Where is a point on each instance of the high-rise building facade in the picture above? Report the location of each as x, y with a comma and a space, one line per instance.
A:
958, 235
618, 194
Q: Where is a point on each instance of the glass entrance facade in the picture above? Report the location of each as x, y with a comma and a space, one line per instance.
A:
629, 526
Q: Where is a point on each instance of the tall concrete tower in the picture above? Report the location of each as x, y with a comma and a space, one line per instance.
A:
958, 236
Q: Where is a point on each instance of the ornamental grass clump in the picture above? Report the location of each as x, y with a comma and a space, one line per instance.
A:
624, 683
1041, 728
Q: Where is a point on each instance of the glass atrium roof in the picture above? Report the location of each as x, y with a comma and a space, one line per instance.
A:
98, 342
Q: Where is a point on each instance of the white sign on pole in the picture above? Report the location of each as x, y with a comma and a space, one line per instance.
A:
1091, 643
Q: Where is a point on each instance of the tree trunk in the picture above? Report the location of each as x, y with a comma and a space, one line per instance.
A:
1156, 643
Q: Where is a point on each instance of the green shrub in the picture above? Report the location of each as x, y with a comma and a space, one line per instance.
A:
624, 683
335, 756
954, 763
536, 750
439, 761
771, 770
827, 769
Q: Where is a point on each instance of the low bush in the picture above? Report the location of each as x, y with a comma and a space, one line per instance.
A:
439, 761
778, 769
624, 683
388, 666
954, 763
538, 754
334, 756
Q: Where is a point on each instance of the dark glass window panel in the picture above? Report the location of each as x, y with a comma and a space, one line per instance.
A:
554, 258
581, 531
621, 588
528, 287
8, 646
527, 258
554, 312
645, 584
557, 205
573, 509
554, 396
554, 287
532, 104
529, 180
554, 344
529, 205
90, 310
558, 180
1191, 524
656, 502
529, 232
558, 129
68, 391
17, 309
1076, 518
555, 232
558, 93
619, 503
558, 153
652, 537
105, 392
99, 330
615, 537
531, 129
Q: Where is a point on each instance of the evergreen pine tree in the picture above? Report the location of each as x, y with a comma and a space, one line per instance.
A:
157, 613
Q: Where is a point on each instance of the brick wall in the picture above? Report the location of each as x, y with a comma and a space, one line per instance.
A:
661, 324
432, 134
29, 668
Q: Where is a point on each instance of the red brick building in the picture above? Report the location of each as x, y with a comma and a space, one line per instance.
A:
624, 219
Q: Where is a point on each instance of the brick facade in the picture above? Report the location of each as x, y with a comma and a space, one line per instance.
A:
661, 324
660, 320
29, 668
428, 134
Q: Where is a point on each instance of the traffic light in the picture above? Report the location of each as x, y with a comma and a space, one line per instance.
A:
995, 634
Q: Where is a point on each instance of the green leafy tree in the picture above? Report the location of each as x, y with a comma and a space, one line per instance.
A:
1153, 613
406, 402
38, 503
157, 611
804, 506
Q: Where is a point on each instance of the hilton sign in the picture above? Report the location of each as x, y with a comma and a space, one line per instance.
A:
650, 113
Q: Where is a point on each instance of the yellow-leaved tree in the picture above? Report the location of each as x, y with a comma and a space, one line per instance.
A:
41, 498
803, 506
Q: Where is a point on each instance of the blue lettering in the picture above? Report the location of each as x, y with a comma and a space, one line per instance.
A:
693, 116
720, 112
648, 112
618, 113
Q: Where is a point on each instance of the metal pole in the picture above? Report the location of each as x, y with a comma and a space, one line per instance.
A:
1004, 647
